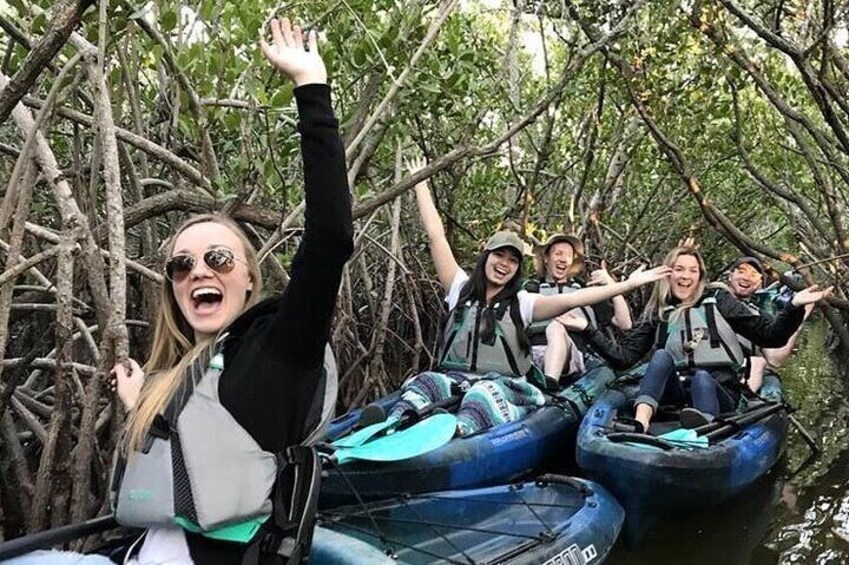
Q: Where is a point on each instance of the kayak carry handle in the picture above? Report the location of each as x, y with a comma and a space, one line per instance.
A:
55, 536
622, 437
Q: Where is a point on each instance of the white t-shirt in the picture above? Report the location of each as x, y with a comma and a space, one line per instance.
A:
163, 546
526, 299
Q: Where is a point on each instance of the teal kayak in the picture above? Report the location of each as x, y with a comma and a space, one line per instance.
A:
555, 520
506, 453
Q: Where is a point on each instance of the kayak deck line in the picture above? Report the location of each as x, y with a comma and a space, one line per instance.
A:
534, 522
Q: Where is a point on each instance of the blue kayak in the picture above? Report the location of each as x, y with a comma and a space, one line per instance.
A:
674, 469
553, 521
500, 455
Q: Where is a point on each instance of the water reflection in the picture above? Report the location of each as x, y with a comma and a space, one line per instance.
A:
797, 514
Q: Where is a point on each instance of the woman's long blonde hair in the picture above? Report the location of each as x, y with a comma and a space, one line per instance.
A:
174, 348
659, 300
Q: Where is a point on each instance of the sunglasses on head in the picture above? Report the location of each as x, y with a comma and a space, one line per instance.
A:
222, 260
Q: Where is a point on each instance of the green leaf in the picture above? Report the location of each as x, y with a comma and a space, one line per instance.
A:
168, 20
283, 97
38, 23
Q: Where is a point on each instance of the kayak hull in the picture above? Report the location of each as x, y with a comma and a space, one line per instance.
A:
649, 480
551, 522
503, 454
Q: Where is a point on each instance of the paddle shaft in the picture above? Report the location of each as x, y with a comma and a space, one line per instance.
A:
410, 418
55, 536
743, 420
381, 429
812, 444
719, 423
806, 435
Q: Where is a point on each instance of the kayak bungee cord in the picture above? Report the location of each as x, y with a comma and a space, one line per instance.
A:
388, 541
356, 493
429, 523
499, 502
339, 518
533, 512
438, 532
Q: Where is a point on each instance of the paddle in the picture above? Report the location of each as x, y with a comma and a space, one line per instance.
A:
806, 435
429, 434
761, 412
55, 536
407, 419
743, 420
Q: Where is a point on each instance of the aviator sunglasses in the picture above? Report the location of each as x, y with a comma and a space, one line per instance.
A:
219, 259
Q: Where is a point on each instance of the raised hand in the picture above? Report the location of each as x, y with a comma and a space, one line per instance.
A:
126, 379
642, 276
290, 55
415, 164
601, 276
810, 295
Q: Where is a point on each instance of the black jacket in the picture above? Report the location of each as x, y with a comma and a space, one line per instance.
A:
274, 354
761, 329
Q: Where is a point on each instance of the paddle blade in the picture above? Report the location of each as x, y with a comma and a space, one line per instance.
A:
429, 434
361, 436
685, 438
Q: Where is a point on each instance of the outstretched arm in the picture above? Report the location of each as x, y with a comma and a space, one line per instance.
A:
779, 356
301, 326
622, 354
768, 331
551, 306
440, 251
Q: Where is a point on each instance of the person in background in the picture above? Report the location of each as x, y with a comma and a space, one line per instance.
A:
745, 278
693, 333
485, 349
558, 262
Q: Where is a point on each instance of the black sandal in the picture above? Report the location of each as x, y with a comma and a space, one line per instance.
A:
630, 425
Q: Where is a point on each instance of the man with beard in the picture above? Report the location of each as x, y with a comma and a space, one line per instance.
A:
745, 278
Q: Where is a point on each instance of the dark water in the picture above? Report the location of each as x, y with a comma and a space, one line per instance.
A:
799, 513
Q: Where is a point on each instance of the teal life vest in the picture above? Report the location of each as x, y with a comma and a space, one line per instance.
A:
201, 470
699, 337
536, 331
469, 346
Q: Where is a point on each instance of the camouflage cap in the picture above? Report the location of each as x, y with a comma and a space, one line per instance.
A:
505, 239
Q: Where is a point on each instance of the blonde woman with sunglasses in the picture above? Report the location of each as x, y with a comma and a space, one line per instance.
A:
232, 379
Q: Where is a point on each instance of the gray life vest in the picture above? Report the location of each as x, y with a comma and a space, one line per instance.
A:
201, 470
465, 349
536, 331
699, 337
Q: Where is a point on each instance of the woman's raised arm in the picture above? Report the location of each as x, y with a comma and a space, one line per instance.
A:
443, 258
547, 307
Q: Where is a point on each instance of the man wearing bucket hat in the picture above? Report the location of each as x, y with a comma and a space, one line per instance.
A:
485, 349
558, 261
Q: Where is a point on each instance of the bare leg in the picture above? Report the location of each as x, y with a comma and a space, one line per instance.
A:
643, 414
557, 350
757, 366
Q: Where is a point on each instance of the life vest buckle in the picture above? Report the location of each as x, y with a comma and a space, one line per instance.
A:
271, 541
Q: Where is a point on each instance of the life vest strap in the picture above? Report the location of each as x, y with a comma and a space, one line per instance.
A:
290, 531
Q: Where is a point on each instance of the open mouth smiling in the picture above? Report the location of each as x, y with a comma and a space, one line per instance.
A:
206, 299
